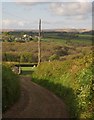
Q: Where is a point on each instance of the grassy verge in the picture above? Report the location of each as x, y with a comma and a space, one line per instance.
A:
10, 87
70, 80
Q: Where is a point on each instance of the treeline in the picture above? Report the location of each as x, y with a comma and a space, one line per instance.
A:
17, 36
19, 57
67, 35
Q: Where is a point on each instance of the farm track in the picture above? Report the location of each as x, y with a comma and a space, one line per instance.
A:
36, 102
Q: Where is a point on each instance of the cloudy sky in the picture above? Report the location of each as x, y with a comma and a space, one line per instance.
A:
25, 14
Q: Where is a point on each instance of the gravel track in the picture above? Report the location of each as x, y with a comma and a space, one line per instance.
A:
36, 102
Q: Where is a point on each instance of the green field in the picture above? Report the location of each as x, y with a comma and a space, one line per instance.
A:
27, 70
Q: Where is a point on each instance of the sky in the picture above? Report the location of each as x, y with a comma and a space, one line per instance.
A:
25, 14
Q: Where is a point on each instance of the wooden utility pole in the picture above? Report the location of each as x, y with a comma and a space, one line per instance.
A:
39, 43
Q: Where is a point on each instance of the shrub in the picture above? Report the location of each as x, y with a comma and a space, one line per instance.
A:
54, 57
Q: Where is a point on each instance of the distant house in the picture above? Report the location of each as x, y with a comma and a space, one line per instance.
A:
19, 40
24, 38
27, 37
30, 37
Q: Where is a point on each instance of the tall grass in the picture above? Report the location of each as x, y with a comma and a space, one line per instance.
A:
10, 87
70, 80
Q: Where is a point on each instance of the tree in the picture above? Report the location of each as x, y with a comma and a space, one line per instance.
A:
7, 37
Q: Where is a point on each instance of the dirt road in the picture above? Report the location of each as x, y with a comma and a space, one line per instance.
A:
36, 102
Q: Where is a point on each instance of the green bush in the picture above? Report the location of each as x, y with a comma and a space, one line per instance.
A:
71, 80
10, 87
53, 57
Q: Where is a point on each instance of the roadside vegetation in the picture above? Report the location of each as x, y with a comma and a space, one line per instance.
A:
71, 80
10, 87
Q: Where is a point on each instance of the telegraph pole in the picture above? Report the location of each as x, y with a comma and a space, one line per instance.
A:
39, 43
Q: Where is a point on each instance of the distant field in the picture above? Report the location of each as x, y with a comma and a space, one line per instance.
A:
70, 41
27, 70
51, 48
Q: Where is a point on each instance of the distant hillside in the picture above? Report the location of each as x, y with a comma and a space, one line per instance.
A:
47, 30
73, 30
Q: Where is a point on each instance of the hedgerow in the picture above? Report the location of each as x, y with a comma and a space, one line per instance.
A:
72, 81
10, 87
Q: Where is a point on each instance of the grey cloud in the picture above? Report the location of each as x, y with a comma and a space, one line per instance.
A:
72, 9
